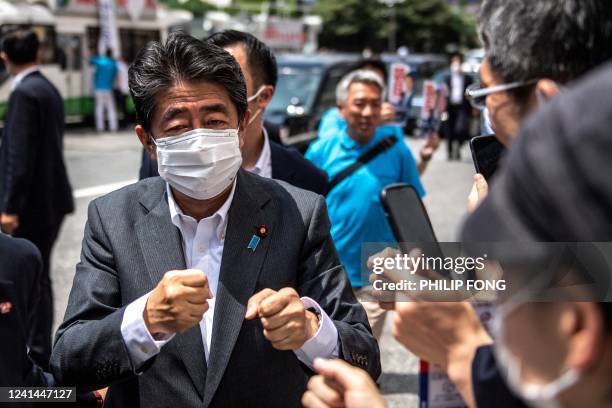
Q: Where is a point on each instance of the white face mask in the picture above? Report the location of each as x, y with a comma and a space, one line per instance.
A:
534, 395
251, 99
200, 163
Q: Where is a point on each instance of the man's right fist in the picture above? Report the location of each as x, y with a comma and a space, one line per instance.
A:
178, 302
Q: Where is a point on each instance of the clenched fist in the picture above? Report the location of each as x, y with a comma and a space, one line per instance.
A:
178, 302
287, 325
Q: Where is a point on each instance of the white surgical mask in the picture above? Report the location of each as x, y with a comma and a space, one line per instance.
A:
251, 99
200, 163
534, 395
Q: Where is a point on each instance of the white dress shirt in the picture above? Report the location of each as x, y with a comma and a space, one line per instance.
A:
19, 77
456, 88
263, 167
203, 243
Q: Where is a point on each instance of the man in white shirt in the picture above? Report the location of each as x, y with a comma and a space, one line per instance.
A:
457, 127
260, 155
209, 286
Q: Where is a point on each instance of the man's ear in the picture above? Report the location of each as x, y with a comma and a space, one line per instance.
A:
265, 97
342, 109
146, 142
547, 89
586, 336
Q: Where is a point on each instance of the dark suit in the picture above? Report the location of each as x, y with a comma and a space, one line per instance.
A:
34, 183
130, 242
20, 272
490, 389
456, 129
290, 166
287, 165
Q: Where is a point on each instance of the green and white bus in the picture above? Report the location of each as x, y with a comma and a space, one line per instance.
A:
68, 34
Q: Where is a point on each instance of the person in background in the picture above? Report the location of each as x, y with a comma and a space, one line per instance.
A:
405, 105
355, 209
35, 193
20, 274
260, 155
104, 80
121, 89
334, 123
457, 127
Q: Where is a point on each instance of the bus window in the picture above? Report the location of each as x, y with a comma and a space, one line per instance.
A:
70, 46
131, 41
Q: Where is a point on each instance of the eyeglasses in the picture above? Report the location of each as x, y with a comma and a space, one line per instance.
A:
477, 96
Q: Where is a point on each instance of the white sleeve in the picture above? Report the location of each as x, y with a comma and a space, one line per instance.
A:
140, 343
324, 343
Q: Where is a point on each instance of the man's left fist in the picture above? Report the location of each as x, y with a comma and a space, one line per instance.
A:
287, 325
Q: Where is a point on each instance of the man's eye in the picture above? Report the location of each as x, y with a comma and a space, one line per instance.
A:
215, 122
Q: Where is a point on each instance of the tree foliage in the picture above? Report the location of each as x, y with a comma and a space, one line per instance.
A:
352, 25
422, 25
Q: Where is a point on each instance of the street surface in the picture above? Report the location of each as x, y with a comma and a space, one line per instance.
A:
100, 163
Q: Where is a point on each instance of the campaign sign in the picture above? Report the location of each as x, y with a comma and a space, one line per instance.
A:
397, 85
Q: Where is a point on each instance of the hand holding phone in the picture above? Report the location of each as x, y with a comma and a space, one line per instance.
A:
486, 154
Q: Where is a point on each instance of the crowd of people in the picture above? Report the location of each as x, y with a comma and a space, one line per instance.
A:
232, 273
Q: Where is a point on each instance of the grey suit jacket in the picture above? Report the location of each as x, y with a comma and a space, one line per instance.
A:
130, 242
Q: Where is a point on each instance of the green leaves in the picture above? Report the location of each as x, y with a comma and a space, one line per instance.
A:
422, 25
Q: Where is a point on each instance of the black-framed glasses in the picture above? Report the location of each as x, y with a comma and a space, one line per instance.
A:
477, 96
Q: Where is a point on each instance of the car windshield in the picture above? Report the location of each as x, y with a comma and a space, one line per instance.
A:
296, 90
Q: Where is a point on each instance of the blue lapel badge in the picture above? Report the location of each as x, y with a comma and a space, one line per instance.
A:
253, 242
260, 232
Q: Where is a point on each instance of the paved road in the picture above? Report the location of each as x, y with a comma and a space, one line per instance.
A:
101, 163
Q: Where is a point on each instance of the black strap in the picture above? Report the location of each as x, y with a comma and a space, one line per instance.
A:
365, 158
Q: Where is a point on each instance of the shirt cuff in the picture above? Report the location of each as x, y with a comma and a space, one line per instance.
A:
140, 343
324, 343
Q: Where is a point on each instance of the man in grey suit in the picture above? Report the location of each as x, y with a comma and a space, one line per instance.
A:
208, 286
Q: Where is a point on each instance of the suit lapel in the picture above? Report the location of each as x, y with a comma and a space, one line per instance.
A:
240, 267
162, 248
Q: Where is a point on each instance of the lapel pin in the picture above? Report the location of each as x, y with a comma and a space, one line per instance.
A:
260, 232
253, 242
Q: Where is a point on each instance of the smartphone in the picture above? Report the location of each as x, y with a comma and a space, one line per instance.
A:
409, 219
486, 154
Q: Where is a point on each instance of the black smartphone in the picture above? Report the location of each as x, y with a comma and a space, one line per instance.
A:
486, 154
409, 219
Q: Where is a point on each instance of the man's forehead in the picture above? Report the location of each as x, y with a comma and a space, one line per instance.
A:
357, 89
190, 93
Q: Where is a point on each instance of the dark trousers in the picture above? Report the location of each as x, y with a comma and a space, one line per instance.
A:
39, 336
458, 129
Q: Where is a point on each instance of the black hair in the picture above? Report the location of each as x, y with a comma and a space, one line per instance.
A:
261, 60
109, 53
375, 63
457, 55
555, 39
158, 66
21, 46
